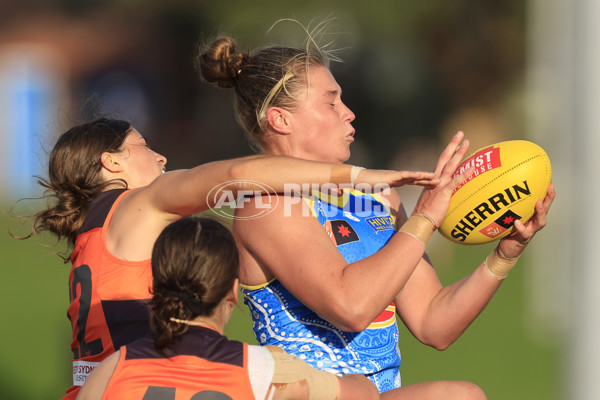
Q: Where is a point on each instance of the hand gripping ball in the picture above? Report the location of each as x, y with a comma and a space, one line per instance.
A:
508, 180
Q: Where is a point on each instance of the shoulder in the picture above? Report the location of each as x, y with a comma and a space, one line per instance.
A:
150, 197
269, 211
257, 205
100, 208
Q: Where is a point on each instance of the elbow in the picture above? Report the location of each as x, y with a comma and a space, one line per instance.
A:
437, 336
237, 171
439, 340
352, 325
246, 168
360, 322
441, 346
440, 343
351, 320
247, 173
346, 312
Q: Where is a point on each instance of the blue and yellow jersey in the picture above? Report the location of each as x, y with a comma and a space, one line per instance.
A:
359, 225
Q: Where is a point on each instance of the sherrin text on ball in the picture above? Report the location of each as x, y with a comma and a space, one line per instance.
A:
508, 179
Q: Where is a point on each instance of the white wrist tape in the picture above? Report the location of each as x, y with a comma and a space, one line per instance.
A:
344, 174
354, 174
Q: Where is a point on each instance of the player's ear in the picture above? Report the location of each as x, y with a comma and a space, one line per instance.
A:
279, 120
234, 293
110, 162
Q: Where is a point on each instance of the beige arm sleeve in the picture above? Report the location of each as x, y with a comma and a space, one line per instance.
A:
322, 385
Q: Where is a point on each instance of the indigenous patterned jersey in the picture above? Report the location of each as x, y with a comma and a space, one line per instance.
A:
203, 364
106, 293
359, 225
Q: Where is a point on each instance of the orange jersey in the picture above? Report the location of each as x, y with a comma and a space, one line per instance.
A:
106, 293
203, 364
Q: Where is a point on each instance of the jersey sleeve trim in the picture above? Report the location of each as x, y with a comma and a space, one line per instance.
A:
256, 287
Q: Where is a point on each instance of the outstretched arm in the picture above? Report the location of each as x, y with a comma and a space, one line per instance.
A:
143, 214
185, 192
438, 315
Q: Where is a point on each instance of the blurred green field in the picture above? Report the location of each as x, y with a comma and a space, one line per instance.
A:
496, 352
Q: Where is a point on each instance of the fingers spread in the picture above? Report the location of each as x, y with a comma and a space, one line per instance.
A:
456, 158
461, 179
448, 152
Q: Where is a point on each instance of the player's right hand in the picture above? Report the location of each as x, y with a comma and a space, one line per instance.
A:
434, 200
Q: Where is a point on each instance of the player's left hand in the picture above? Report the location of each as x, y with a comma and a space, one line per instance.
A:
514, 244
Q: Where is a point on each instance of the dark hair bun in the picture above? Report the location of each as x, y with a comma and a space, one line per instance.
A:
220, 63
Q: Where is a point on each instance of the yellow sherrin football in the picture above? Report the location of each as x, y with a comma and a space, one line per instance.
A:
509, 178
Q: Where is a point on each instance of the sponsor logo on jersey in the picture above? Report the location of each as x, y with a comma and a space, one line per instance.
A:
81, 370
382, 223
341, 232
483, 161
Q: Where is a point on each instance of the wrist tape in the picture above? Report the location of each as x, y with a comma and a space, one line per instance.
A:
344, 174
354, 174
499, 266
420, 227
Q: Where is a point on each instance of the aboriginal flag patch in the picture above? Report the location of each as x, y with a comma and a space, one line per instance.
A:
341, 232
501, 224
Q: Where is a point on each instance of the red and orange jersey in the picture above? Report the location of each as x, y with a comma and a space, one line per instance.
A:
203, 362
107, 295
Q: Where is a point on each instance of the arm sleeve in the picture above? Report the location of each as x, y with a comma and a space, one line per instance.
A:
260, 370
